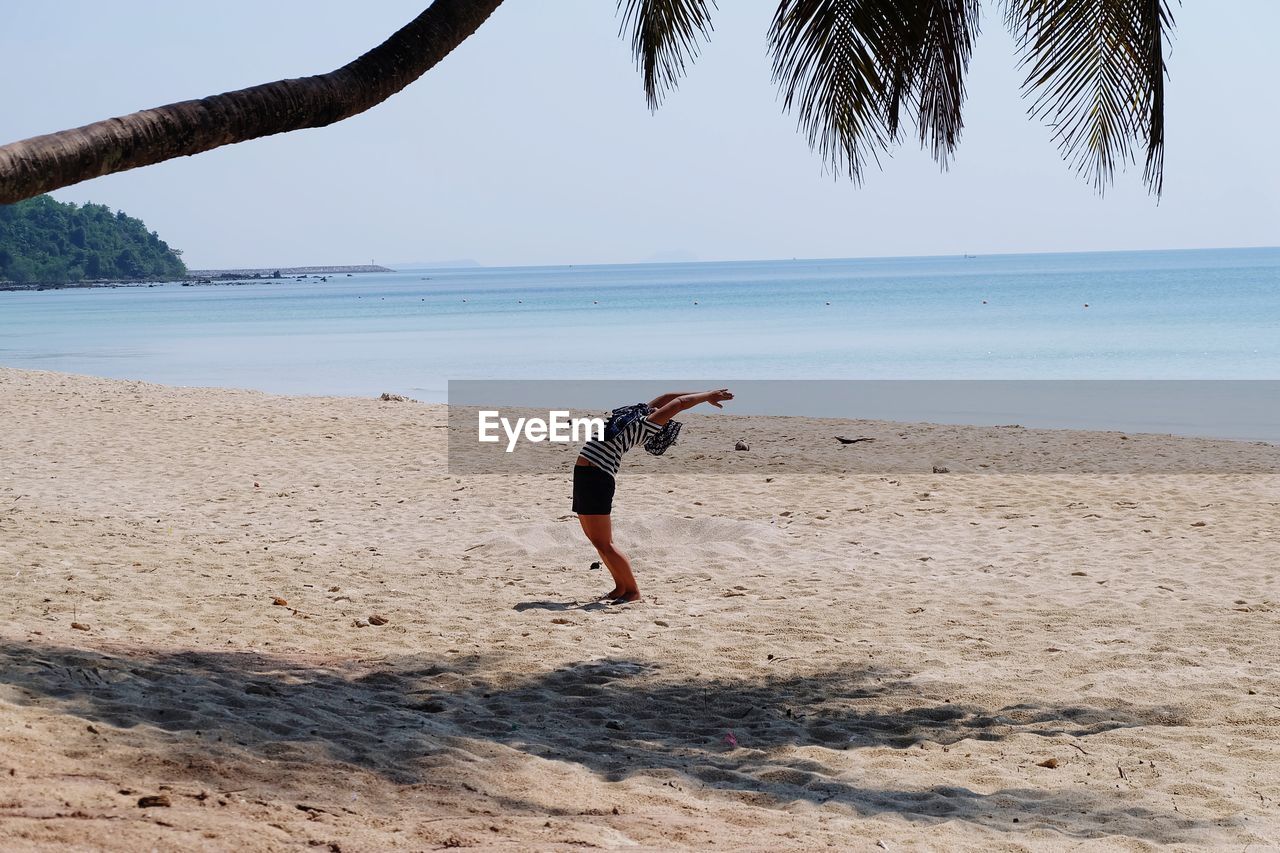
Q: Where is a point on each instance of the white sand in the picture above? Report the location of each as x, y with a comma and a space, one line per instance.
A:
896, 654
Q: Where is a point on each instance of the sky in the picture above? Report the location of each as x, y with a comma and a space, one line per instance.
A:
531, 144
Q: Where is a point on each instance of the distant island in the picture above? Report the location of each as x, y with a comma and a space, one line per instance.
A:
51, 243
47, 244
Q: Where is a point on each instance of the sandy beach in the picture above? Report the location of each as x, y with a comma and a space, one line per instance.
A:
974, 660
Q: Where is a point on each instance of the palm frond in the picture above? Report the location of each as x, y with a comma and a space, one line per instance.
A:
829, 61
852, 68
939, 45
1097, 71
664, 38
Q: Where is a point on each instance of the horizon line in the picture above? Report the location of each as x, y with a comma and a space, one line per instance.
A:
473, 264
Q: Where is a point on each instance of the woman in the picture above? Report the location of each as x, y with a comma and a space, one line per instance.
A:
597, 466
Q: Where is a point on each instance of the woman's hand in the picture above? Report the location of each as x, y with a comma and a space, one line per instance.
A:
687, 401
716, 398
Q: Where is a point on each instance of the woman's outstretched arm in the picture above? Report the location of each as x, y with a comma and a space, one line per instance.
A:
674, 407
662, 399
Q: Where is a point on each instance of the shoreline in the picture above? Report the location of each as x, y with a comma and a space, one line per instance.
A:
946, 447
1043, 420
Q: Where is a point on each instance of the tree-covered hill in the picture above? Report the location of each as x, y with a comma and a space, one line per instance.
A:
48, 242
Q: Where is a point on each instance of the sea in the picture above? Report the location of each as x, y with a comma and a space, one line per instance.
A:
1155, 315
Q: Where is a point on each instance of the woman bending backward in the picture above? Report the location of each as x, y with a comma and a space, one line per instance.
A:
597, 467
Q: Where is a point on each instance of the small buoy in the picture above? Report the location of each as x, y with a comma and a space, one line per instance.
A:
984, 302
828, 303
1086, 305
695, 302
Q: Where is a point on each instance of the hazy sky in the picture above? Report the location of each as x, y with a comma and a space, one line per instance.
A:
531, 144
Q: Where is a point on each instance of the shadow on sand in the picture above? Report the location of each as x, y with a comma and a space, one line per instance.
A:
560, 606
404, 718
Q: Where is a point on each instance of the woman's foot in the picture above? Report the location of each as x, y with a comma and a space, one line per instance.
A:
626, 597
614, 593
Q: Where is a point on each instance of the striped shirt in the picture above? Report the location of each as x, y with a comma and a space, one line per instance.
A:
607, 455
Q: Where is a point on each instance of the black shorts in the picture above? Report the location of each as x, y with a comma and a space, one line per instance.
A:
592, 490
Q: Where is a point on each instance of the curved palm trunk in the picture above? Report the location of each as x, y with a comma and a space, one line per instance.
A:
43, 163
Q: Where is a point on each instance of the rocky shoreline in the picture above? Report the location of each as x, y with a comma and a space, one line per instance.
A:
205, 277
289, 272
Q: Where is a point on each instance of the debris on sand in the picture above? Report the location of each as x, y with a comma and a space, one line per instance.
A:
375, 619
153, 801
279, 602
742, 445
843, 440
79, 626
1051, 763
941, 469
393, 398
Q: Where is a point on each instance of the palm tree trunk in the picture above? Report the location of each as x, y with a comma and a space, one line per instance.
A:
43, 163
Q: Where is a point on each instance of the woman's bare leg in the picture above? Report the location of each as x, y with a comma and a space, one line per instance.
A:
599, 530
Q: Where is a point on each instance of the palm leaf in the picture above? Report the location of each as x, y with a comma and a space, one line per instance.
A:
1097, 70
829, 61
664, 37
939, 45
850, 68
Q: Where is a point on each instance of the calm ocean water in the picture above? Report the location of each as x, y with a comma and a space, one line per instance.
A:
1211, 314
